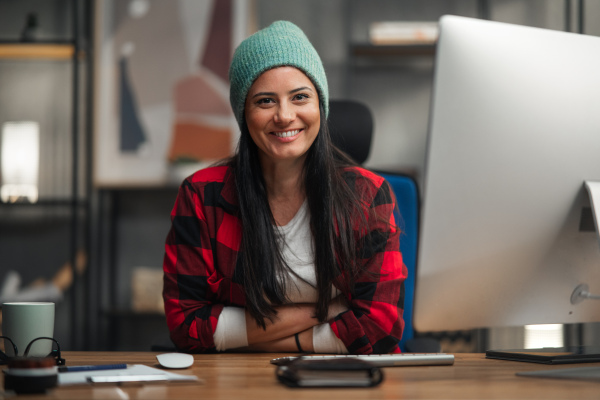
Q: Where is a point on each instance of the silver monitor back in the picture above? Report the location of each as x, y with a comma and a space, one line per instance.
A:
514, 133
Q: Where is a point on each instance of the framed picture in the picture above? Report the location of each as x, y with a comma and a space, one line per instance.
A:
161, 89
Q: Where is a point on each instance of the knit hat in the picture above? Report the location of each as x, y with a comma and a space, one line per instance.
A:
280, 44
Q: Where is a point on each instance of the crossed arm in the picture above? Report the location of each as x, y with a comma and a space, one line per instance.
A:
279, 333
291, 319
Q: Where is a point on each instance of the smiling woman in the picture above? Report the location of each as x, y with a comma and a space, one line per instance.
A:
289, 245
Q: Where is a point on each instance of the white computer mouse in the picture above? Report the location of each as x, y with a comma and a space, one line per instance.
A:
175, 360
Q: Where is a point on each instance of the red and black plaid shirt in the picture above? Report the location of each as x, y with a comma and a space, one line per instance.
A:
202, 248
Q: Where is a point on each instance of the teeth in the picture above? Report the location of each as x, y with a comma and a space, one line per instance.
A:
287, 134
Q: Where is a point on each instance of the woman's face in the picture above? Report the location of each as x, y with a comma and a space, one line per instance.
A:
282, 114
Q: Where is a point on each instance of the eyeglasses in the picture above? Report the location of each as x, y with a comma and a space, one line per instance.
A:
54, 353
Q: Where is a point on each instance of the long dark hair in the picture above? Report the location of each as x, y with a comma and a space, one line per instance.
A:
334, 209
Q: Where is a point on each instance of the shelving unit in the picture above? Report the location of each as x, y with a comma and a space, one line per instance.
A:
62, 214
407, 50
124, 244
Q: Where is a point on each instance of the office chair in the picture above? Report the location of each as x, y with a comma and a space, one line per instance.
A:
351, 127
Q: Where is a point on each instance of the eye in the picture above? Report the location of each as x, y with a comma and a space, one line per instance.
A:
300, 97
265, 101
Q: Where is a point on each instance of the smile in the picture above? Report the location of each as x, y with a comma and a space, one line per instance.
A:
286, 133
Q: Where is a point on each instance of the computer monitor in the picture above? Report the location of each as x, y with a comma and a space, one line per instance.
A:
506, 229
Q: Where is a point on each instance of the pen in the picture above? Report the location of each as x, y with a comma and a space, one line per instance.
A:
80, 368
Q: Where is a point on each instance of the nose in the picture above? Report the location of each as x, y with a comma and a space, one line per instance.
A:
285, 113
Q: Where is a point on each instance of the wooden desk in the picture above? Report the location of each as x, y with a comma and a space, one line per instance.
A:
251, 376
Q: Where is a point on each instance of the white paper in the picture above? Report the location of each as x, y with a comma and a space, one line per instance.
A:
79, 378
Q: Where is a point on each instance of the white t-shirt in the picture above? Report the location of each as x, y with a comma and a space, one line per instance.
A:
301, 287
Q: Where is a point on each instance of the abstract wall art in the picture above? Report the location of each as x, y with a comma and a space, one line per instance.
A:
161, 90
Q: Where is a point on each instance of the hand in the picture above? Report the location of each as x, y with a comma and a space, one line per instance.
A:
284, 345
337, 306
290, 319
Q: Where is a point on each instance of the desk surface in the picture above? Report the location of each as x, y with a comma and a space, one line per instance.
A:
251, 376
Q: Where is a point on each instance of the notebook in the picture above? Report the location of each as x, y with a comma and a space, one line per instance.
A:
549, 355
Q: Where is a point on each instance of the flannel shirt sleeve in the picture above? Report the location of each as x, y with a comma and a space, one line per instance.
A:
373, 324
190, 307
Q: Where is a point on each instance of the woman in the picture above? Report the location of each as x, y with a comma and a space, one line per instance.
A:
288, 246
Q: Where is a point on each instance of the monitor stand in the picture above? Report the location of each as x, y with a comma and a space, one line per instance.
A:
581, 292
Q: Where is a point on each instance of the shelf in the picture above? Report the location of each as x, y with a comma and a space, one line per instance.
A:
45, 203
408, 50
21, 213
36, 51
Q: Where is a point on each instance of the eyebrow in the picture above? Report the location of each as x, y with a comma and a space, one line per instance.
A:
290, 92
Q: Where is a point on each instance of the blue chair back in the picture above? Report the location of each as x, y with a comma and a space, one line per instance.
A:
407, 218
351, 127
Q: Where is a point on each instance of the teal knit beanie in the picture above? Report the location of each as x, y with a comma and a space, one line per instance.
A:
280, 44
